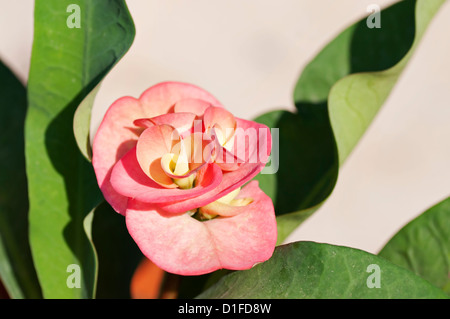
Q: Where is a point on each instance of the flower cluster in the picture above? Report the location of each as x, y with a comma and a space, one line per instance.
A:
179, 166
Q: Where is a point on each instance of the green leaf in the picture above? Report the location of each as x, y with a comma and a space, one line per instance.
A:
16, 265
91, 273
306, 270
118, 254
337, 96
66, 64
81, 123
355, 100
423, 246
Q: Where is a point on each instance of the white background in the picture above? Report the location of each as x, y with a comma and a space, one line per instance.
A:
249, 54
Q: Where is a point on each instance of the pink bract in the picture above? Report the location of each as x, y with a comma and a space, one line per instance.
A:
192, 247
175, 163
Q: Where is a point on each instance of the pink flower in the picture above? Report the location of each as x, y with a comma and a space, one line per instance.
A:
174, 162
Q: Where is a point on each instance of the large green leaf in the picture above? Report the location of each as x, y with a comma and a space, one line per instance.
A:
321, 271
66, 64
16, 265
423, 246
355, 100
337, 96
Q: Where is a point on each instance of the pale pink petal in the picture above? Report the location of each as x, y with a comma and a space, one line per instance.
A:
178, 244
252, 142
161, 98
195, 106
115, 136
182, 121
153, 143
182, 245
224, 121
249, 237
226, 160
129, 180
